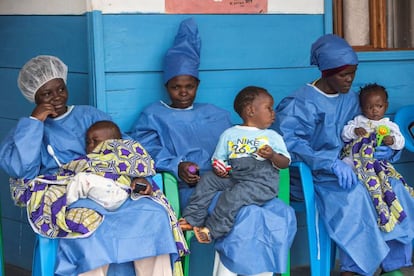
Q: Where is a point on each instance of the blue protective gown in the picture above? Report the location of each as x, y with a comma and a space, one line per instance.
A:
136, 230
261, 237
311, 123
174, 135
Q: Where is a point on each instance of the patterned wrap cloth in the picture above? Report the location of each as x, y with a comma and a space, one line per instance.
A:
375, 175
117, 159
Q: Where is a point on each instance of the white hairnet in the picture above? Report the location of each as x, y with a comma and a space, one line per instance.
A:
38, 71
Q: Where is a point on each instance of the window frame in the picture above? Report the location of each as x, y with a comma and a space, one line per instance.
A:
366, 53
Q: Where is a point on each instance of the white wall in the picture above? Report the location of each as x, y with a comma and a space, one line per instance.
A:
9, 7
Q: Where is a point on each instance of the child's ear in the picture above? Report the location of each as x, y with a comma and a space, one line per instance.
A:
248, 110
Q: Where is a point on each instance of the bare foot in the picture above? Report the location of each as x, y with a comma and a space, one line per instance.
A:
202, 234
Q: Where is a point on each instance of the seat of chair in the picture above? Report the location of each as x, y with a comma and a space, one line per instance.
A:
403, 117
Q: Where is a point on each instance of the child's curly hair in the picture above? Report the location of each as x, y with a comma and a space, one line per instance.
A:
246, 96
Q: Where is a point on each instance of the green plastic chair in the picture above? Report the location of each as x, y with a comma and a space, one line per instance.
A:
171, 192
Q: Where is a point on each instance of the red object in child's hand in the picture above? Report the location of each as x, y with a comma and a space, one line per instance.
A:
221, 166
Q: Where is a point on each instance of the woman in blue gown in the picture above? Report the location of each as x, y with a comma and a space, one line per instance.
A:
138, 234
311, 122
182, 133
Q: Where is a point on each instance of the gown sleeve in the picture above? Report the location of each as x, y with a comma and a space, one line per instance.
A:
298, 122
149, 133
21, 149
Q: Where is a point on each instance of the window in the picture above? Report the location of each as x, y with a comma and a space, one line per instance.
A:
375, 25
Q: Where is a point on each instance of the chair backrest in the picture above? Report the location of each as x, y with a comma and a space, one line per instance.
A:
321, 251
403, 118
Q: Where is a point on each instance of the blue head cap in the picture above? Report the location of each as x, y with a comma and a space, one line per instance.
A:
184, 57
331, 51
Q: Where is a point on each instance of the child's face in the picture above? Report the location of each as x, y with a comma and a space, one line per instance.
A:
263, 112
97, 135
375, 105
182, 91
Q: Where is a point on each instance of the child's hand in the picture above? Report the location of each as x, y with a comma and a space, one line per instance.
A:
147, 191
265, 152
360, 131
185, 173
388, 140
220, 168
220, 172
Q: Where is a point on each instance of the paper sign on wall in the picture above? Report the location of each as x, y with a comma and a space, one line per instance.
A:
216, 6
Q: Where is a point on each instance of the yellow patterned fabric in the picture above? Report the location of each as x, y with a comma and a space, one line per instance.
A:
45, 196
375, 174
117, 159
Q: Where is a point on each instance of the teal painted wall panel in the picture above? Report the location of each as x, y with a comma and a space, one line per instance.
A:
128, 93
396, 76
25, 36
139, 42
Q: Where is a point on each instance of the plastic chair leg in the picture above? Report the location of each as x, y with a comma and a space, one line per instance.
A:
320, 244
44, 258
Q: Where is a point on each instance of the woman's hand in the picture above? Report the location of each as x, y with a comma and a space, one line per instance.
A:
388, 140
44, 110
185, 174
148, 189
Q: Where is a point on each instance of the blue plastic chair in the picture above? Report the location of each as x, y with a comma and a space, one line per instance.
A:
321, 249
44, 256
403, 118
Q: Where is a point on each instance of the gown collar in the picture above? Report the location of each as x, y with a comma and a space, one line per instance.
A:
167, 106
64, 115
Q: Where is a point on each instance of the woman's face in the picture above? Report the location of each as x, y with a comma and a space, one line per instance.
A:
182, 91
342, 81
53, 92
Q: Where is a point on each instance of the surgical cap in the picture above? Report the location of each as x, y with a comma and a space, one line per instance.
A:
184, 57
331, 51
38, 71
